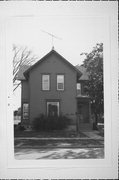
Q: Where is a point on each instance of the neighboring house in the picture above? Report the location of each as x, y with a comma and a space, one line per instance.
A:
53, 86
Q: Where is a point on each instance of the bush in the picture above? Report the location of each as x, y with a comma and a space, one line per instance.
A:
19, 127
43, 123
101, 118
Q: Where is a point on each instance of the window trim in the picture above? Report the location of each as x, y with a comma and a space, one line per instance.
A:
42, 82
63, 82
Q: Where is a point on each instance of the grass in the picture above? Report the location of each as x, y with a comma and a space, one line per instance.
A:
55, 134
24, 143
101, 129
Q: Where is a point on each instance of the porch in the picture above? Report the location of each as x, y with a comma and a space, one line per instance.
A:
84, 122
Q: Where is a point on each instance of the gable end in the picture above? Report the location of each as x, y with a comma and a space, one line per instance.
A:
26, 73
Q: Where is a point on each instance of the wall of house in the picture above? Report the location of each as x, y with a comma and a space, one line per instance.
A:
24, 99
82, 82
67, 98
25, 91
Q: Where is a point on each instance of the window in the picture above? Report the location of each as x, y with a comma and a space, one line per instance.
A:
53, 108
79, 88
25, 110
60, 82
46, 82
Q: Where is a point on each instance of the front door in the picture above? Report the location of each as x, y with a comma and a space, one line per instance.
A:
83, 111
52, 108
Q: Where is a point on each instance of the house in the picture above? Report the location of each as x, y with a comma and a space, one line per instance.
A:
53, 86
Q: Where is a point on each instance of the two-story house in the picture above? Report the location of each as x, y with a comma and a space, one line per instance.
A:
53, 86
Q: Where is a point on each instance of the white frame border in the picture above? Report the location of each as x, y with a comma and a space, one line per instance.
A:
14, 168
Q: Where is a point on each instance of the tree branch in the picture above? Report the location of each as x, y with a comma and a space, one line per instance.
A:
17, 86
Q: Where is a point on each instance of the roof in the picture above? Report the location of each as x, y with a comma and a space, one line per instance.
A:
20, 74
85, 75
26, 73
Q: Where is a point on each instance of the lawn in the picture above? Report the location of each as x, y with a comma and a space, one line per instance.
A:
54, 134
55, 143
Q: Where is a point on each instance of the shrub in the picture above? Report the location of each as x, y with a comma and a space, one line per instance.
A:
43, 123
101, 118
39, 123
19, 127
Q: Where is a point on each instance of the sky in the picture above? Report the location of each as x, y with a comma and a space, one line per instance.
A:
76, 34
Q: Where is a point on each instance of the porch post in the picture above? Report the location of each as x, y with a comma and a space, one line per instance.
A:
89, 112
77, 122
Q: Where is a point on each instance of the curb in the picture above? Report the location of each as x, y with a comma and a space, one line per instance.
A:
63, 147
38, 138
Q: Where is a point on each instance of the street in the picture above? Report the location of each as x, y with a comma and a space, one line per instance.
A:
58, 148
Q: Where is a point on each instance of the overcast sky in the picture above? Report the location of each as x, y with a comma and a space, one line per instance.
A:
77, 33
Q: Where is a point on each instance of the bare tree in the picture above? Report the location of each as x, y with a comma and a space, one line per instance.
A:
21, 57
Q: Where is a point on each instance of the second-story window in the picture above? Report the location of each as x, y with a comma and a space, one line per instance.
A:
79, 88
60, 82
46, 82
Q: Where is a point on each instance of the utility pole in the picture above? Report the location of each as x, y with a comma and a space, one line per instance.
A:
52, 37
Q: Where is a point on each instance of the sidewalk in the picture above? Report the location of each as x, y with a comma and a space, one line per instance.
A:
93, 134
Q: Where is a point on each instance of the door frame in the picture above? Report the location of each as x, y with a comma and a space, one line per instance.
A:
52, 101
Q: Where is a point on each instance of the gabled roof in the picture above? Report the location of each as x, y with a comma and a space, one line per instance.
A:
20, 74
26, 73
85, 75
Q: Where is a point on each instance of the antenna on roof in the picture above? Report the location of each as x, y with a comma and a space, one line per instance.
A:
52, 36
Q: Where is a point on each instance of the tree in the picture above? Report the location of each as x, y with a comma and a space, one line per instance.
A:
94, 87
15, 113
21, 57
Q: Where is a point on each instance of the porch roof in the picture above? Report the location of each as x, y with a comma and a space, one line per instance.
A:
85, 74
83, 97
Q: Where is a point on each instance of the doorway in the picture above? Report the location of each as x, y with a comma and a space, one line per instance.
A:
52, 108
83, 111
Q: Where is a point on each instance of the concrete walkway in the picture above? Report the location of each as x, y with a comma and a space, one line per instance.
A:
93, 135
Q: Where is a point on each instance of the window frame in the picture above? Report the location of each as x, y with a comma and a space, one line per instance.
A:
63, 82
43, 81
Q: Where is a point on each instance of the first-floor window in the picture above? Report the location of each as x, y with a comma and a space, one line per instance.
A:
52, 108
25, 110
